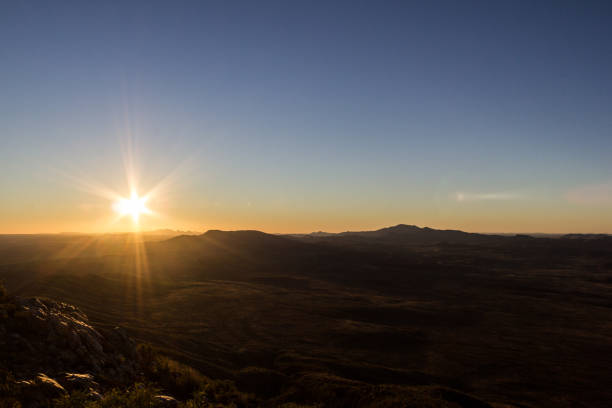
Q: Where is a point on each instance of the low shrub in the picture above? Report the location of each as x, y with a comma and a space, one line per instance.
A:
137, 396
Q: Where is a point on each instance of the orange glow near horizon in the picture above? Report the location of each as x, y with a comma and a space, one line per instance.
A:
171, 198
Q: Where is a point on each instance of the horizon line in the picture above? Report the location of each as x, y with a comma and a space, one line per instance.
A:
199, 232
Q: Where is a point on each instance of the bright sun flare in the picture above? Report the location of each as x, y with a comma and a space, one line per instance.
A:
133, 206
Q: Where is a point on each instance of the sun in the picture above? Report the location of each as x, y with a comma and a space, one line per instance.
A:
133, 206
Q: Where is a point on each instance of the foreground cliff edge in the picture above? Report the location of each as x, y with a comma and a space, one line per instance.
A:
52, 356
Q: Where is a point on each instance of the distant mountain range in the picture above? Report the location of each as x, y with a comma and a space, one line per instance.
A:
401, 234
399, 231
404, 229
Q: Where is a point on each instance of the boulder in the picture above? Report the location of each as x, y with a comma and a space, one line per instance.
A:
84, 383
75, 381
165, 401
40, 390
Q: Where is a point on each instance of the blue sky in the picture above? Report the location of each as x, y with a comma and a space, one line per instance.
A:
298, 116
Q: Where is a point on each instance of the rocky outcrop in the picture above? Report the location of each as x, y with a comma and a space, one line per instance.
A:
51, 349
62, 335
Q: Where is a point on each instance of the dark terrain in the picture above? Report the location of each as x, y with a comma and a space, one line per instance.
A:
464, 318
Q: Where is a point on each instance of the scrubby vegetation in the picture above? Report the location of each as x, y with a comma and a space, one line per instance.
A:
186, 383
162, 382
213, 394
7, 308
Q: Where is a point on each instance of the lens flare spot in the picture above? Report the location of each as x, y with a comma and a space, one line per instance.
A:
134, 206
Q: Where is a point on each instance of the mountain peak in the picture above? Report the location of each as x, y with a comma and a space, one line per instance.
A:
399, 228
215, 233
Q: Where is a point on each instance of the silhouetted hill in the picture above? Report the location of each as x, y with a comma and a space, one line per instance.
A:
245, 238
403, 234
403, 231
586, 236
243, 242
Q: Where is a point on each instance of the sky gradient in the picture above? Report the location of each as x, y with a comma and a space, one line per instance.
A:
305, 116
